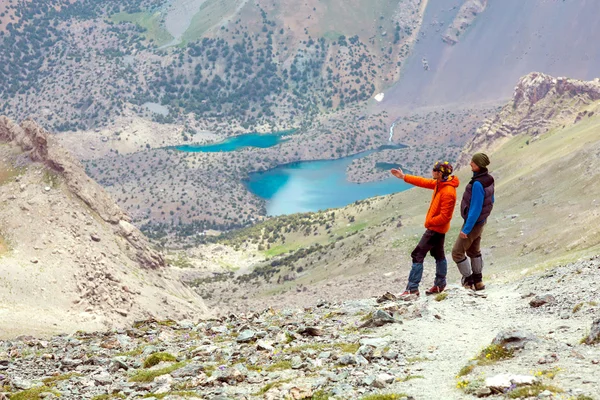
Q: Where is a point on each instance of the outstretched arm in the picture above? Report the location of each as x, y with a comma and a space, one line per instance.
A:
414, 180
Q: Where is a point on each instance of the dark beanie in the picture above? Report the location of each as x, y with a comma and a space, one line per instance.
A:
481, 160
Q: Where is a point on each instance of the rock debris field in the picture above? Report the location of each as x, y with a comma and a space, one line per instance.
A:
537, 338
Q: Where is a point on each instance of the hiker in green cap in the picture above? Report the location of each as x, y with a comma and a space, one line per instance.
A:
475, 207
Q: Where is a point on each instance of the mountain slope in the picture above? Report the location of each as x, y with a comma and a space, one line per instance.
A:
70, 259
543, 147
507, 40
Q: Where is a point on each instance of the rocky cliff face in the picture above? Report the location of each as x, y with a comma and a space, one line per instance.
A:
540, 102
465, 18
40, 147
70, 257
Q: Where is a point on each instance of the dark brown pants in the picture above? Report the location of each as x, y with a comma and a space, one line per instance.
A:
469, 247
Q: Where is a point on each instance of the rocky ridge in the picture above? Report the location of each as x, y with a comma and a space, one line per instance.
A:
458, 345
540, 103
71, 259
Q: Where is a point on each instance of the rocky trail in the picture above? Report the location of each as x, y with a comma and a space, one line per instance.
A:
522, 340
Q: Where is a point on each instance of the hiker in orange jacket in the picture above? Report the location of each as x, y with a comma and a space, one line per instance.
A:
437, 223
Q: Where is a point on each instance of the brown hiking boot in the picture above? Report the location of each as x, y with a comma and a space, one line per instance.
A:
479, 286
435, 290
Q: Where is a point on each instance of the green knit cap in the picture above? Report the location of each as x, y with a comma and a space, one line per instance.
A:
481, 160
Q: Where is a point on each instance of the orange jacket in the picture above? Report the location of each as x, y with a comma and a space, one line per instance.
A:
442, 202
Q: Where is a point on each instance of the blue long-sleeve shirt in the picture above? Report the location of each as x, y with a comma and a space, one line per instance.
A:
477, 196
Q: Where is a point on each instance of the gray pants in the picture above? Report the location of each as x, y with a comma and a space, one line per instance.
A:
469, 247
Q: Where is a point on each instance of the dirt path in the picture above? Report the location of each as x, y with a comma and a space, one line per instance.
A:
454, 331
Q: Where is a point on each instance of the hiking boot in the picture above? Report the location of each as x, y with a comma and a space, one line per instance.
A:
435, 290
479, 286
467, 282
407, 293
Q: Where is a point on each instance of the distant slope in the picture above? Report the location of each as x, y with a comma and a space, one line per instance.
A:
509, 39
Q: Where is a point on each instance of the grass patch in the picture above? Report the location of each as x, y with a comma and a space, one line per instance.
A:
441, 296
181, 394
4, 247
409, 378
156, 358
33, 393
321, 395
466, 370
149, 375
532, 391
493, 353
271, 385
109, 396
153, 31
386, 396
180, 261
53, 379
577, 307
279, 366
344, 347
51, 178
412, 360
132, 353
281, 249
209, 369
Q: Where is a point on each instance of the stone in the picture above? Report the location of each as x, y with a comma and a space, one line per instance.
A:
191, 369
382, 380
264, 345
499, 383
539, 301
594, 336
387, 296
483, 392
347, 359
513, 339
121, 312
376, 341
23, 384
310, 331
95, 237
245, 336
103, 378
117, 363
297, 362
298, 393
379, 318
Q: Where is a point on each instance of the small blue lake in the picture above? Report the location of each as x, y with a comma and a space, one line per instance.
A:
262, 141
315, 185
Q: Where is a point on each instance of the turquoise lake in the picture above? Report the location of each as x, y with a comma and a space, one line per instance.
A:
306, 185
239, 142
315, 185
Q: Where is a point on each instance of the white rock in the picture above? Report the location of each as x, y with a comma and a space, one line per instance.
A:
504, 381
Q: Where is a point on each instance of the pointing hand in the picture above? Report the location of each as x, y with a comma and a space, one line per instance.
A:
397, 173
